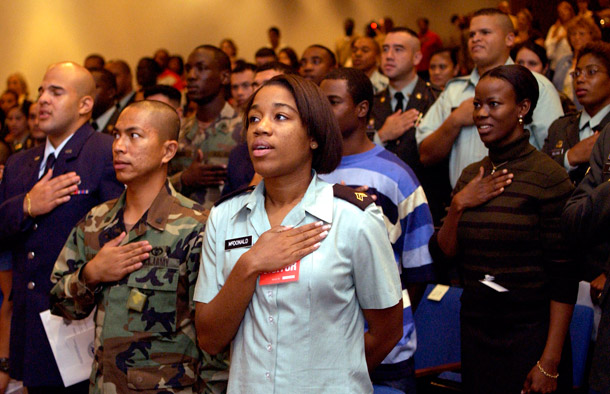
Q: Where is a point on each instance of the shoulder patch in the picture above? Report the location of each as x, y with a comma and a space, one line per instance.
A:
245, 189
359, 199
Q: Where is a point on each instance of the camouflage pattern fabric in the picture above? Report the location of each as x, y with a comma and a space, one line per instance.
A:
215, 141
145, 338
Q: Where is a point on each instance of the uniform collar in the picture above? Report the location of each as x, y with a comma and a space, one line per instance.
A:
104, 118
317, 201
474, 75
406, 91
593, 121
70, 147
156, 215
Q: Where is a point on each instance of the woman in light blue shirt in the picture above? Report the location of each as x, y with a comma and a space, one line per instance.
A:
291, 269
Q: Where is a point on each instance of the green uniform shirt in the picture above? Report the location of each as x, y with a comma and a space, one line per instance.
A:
145, 336
215, 142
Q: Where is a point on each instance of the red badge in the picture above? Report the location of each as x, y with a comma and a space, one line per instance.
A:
287, 274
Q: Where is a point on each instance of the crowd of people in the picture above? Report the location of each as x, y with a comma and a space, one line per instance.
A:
272, 226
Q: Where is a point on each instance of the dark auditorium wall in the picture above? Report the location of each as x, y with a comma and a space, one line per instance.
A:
35, 33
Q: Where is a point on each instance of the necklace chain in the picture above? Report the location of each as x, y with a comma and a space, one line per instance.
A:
495, 167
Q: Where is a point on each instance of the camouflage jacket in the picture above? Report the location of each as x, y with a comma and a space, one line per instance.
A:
215, 141
145, 338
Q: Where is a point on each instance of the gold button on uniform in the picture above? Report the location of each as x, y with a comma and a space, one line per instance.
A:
31, 285
31, 255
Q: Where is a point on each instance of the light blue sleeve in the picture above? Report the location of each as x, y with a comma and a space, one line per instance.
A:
375, 271
210, 278
548, 109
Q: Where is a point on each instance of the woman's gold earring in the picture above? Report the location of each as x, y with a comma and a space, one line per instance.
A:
314, 145
520, 120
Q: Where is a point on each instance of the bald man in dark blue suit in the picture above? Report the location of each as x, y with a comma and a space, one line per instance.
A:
45, 192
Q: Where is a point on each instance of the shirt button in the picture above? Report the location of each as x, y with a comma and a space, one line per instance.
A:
269, 347
35, 226
269, 294
31, 285
31, 255
268, 375
271, 319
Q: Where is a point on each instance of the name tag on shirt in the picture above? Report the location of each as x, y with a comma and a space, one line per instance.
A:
557, 152
489, 281
238, 242
287, 274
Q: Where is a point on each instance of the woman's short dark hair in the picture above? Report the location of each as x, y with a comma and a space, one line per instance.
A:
523, 82
532, 46
599, 49
317, 117
451, 51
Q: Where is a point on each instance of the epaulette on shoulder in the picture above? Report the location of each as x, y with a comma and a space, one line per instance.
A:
575, 115
463, 78
359, 199
245, 189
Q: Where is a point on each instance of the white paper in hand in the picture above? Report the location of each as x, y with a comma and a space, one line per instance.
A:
72, 345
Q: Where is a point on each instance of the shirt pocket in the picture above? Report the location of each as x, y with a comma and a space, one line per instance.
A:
172, 376
159, 285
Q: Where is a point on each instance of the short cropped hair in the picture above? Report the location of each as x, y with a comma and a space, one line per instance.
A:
222, 60
402, 29
240, 67
506, 23
170, 92
107, 77
333, 59
359, 85
376, 46
523, 82
599, 49
171, 122
316, 115
265, 52
277, 66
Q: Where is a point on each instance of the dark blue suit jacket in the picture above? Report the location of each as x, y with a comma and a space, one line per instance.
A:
37, 242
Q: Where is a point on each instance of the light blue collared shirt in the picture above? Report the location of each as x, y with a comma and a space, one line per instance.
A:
468, 147
304, 336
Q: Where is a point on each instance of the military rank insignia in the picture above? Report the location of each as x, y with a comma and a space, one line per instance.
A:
136, 300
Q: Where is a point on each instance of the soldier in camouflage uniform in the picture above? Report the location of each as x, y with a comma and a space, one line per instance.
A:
199, 168
137, 259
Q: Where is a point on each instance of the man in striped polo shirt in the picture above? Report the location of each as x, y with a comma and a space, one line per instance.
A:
402, 200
